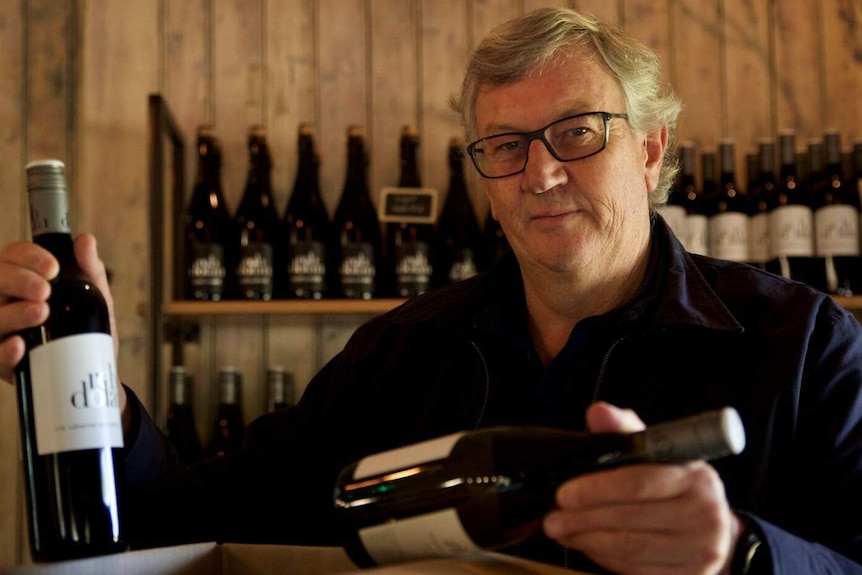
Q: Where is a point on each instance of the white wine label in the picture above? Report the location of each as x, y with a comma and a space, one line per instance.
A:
758, 238
437, 534
791, 231
697, 238
675, 217
404, 457
836, 231
75, 397
728, 236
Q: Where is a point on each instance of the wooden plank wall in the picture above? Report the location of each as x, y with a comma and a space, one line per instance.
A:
76, 76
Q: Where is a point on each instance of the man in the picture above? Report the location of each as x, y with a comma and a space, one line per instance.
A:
598, 305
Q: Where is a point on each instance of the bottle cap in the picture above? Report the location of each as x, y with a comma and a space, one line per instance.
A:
46, 175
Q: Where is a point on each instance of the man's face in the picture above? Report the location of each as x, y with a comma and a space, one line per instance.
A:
570, 216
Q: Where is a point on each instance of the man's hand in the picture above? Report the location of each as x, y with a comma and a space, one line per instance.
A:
25, 272
646, 519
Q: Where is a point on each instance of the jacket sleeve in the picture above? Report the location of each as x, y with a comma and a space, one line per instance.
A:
815, 491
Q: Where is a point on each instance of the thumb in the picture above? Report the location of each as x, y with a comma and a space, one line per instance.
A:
606, 418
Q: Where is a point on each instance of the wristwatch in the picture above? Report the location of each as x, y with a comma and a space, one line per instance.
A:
748, 557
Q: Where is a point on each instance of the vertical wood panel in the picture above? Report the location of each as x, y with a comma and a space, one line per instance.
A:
343, 95
291, 82
13, 224
842, 52
605, 10
444, 53
696, 30
237, 43
188, 86
648, 20
119, 69
745, 40
799, 97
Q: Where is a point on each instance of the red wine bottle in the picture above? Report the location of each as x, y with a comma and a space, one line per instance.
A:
181, 430
68, 397
836, 222
207, 225
458, 235
759, 197
305, 226
490, 488
728, 219
696, 239
279, 388
229, 427
257, 223
409, 243
356, 245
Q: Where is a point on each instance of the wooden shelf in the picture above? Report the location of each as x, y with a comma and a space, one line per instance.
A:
280, 307
330, 307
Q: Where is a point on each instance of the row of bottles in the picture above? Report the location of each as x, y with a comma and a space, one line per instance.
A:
228, 426
258, 255
801, 221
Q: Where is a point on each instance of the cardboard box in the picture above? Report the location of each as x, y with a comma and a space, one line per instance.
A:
236, 559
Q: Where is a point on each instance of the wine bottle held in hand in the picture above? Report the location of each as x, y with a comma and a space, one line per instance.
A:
488, 489
68, 400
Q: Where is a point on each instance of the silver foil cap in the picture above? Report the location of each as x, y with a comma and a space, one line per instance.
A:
48, 199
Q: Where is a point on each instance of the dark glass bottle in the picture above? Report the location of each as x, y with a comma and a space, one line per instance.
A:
228, 428
490, 488
181, 430
728, 219
836, 220
673, 211
207, 225
696, 221
356, 245
68, 397
458, 234
791, 220
257, 223
758, 199
305, 226
409, 243
279, 388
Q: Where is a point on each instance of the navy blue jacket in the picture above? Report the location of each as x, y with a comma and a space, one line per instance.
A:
701, 334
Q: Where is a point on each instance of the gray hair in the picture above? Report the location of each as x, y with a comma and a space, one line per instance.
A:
513, 50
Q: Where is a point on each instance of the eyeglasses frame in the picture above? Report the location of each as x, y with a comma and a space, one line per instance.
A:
540, 135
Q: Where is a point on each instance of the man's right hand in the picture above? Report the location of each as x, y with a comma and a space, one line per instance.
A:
25, 272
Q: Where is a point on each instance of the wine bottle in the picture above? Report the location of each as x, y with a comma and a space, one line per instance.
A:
759, 198
229, 427
728, 220
673, 210
356, 245
68, 397
409, 243
257, 222
698, 205
181, 430
836, 219
458, 235
696, 221
279, 385
207, 225
490, 488
306, 226
791, 220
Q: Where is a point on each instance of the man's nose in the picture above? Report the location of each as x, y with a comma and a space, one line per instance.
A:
543, 171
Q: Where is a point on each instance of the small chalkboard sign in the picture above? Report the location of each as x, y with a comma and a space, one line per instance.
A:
408, 205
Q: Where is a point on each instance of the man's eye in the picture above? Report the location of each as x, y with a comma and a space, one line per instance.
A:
506, 147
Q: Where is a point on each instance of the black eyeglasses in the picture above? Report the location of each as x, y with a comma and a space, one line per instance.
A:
571, 138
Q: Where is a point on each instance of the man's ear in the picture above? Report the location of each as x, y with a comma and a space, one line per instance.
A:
655, 144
